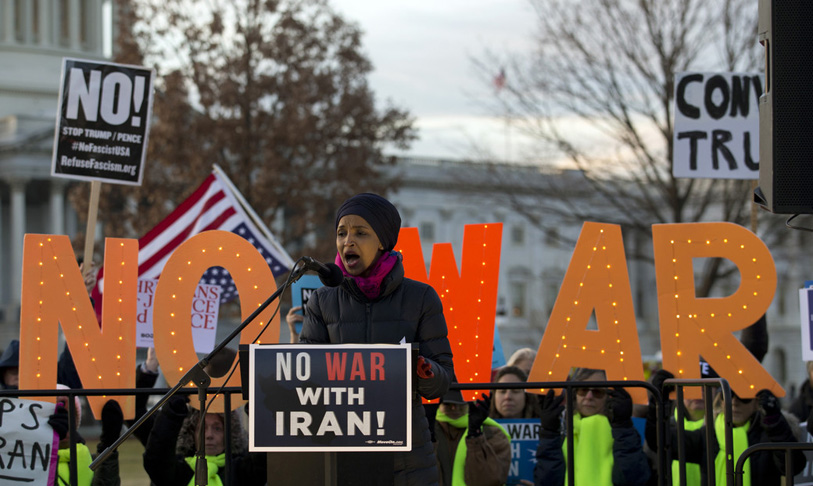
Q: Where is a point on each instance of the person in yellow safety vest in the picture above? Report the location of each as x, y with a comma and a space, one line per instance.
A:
607, 448
170, 454
471, 449
693, 415
693, 418
756, 420
59, 422
108, 472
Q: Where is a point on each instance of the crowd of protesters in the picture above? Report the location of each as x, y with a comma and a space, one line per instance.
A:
471, 446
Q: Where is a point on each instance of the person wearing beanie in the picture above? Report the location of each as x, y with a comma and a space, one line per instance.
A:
377, 304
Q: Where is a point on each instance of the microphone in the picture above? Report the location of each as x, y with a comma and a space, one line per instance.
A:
329, 273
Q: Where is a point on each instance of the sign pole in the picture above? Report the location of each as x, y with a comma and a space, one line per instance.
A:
754, 208
90, 233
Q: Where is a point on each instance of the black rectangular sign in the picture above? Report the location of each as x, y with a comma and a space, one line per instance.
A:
102, 122
330, 398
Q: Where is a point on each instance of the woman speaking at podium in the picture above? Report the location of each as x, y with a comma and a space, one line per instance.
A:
375, 303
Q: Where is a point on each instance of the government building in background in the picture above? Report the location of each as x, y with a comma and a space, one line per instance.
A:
35, 35
434, 197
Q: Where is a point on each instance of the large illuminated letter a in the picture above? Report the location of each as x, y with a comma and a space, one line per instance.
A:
596, 279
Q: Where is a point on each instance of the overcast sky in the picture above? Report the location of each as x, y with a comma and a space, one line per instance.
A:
421, 51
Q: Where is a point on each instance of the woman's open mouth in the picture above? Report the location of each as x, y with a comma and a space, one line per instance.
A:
351, 259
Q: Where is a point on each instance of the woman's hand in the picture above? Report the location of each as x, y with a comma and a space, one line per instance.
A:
151, 364
292, 318
425, 368
89, 275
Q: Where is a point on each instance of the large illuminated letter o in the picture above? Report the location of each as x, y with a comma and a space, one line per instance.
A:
172, 331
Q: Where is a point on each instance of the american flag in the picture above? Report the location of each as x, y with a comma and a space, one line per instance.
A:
213, 206
499, 80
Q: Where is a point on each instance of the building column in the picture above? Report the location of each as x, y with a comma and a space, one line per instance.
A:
8, 21
17, 234
57, 206
74, 25
28, 25
43, 21
96, 32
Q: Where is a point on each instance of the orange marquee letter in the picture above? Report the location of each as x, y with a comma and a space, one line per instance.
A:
172, 333
53, 291
692, 326
597, 279
469, 297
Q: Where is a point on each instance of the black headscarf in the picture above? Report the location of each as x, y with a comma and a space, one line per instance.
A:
380, 213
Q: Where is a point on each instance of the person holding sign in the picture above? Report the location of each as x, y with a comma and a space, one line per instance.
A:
471, 448
607, 447
375, 303
756, 420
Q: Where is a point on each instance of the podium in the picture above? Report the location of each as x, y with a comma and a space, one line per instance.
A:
330, 468
332, 415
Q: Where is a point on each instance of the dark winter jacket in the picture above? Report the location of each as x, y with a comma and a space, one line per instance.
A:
172, 439
766, 467
488, 455
144, 379
630, 465
406, 310
803, 403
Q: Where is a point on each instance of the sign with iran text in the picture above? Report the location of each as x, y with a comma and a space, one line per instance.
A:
330, 398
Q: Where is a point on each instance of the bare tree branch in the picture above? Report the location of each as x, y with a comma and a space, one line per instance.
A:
597, 92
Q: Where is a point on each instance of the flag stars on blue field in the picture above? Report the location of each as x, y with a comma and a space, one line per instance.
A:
220, 276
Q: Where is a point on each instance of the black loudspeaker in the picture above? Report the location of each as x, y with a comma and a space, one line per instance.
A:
786, 108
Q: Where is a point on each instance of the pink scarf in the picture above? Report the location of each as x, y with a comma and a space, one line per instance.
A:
371, 285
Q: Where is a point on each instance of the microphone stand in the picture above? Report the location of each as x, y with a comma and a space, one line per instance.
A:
197, 374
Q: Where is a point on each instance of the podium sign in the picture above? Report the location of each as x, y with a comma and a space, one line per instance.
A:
330, 398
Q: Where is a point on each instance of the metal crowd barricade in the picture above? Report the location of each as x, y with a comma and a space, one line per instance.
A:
570, 409
228, 392
708, 384
733, 474
772, 446
72, 425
